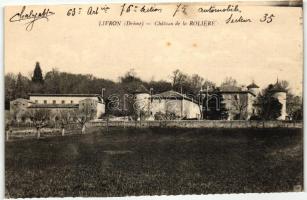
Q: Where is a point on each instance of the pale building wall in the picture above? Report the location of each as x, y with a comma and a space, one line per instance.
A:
98, 108
251, 109
142, 102
59, 99
181, 108
255, 91
282, 98
191, 110
18, 108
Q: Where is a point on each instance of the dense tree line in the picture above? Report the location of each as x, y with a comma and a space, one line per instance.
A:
57, 82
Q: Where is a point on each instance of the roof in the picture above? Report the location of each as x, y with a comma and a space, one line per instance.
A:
230, 92
22, 99
253, 85
230, 88
65, 95
171, 94
54, 106
278, 88
140, 88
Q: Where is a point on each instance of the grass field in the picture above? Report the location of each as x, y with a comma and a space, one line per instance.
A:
156, 162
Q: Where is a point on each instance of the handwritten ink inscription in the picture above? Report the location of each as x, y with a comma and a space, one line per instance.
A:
205, 15
30, 17
232, 19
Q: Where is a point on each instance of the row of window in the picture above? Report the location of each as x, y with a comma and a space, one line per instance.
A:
54, 102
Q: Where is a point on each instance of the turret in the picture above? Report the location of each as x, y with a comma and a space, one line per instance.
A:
280, 93
253, 88
142, 98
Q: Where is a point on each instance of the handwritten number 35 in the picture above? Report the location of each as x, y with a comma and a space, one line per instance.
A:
267, 18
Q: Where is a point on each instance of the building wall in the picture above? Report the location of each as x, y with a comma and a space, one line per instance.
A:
58, 99
236, 104
18, 108
142, 102
97, 108
251, 109
181, 108
282, 98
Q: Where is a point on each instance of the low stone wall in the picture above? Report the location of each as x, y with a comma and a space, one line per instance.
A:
199, 124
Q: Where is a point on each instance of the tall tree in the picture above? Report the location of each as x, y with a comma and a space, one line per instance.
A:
294, 106
21, 87
196, 83
269, 106
180, 82
37, 74
10, 82
52, 82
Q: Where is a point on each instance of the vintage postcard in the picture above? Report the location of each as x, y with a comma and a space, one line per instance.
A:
131, 99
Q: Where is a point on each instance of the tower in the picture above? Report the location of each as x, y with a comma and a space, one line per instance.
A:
142, 98
253, 88
280, 93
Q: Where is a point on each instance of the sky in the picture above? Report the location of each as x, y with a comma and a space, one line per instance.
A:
259, 52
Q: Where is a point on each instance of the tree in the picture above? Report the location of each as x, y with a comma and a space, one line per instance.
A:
214, 106
21, 87
229, 84
65, 118
130, 77
208, 84
196, 83
269, 106
294, 106
40, 118
160, 86
229, 81
83, 115
52, 82
10, 92
180, 81
285, 85
37, 75
10, 120
240, 104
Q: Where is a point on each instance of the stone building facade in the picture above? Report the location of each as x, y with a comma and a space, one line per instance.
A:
169, 102
58, 103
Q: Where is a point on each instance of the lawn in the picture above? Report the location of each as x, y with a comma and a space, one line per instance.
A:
155, 162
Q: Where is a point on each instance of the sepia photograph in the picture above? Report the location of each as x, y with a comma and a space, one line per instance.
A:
132, 99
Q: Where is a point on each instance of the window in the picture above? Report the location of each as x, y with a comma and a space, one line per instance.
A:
36, 101
45, 101
236, 97
63, 101
71, 101
54, 101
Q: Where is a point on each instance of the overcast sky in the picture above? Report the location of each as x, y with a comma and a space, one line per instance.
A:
250, 51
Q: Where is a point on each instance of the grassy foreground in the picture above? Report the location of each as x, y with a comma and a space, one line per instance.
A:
154, 162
